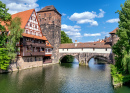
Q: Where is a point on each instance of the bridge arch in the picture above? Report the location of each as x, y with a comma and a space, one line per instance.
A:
106, 56
76, 55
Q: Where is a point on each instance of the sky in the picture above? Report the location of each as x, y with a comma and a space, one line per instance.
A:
82, 20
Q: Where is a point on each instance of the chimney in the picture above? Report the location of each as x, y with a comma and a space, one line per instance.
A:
75, 43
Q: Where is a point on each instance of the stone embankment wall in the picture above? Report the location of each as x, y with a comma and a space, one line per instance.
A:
24, 63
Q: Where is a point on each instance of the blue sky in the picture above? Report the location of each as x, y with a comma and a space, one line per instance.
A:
82, 20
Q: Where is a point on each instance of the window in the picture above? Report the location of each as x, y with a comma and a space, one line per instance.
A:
50, 14
39, 15
27, 59
45, 50
45, 14
67, 49
93, 49
27, 48
82, 49
30, 25
39, 59
36, 26
35, 33
33, 49
30, 59
30, 32
35, 59
49, 18
106, 49
38, 34
27, 31
62, 49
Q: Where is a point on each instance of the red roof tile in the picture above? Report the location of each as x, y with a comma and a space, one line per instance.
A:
114, 31
86, 45
33, 36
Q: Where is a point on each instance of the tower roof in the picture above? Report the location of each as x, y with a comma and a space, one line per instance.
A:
114, 31
49, 8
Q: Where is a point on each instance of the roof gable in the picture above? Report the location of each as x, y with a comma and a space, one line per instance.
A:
25, 15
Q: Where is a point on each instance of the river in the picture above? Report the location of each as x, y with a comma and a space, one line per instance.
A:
61, 78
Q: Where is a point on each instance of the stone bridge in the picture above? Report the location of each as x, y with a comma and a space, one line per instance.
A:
83, 52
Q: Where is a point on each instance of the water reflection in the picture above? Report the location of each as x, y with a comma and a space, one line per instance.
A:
61, 78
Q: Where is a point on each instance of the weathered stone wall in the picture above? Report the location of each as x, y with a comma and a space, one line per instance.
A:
22, 63
50, 23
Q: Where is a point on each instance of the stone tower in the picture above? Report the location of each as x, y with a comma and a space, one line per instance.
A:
50, 23
114, 40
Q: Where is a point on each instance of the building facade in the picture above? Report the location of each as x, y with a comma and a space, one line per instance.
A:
32, 44
50, 23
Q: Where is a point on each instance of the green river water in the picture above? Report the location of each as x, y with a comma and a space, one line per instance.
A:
61, 78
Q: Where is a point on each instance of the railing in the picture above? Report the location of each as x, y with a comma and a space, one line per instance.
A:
33, 53
34, 44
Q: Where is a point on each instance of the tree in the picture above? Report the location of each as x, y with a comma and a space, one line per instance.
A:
14, 37
4, 17
122, 48
65, 38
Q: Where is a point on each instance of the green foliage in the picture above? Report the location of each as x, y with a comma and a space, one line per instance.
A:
122, 48
4, 58
65, 38
67, 58
118, 78
4, 17
14, 37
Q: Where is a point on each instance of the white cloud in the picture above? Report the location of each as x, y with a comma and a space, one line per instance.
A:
66, 28
113, 20
101, 14
105, 33
20, 5
63, 14
87, 17
95, 34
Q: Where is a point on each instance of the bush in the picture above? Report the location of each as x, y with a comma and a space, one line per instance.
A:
117, 77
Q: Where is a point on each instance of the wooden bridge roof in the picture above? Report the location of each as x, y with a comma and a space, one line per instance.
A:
85, 45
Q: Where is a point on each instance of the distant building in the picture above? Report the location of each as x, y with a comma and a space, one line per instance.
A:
114, 36
50, 23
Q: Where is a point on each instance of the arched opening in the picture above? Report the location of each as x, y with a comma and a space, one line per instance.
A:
69, 61
97, 62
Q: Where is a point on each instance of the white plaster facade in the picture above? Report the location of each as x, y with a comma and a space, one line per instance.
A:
86, 50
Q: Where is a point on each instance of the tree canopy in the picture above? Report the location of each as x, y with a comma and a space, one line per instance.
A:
65, 38
122, 48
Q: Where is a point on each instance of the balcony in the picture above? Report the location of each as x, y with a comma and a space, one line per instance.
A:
34, 44
33, 53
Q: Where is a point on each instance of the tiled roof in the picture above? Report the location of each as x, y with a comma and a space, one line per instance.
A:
33, 36
48, 45
49, 8
86, 45
114, 31
25, 15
